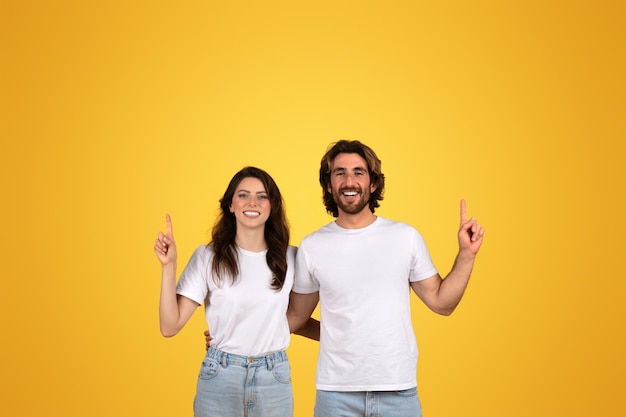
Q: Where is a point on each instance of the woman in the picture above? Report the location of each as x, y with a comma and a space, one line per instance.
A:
243, 277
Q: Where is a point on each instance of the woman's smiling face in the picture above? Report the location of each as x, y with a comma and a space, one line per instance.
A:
251, 204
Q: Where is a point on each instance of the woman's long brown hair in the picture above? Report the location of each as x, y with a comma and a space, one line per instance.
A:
225, 260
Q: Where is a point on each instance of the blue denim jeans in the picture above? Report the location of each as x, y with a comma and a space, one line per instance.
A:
404, 403
240, 386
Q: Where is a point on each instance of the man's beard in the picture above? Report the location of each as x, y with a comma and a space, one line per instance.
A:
356, 206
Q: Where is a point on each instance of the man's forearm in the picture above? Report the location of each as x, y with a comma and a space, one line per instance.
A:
454, 285
310, 330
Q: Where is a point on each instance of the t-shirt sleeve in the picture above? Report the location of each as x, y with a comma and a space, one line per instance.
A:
304, 281
422, 266
193, 281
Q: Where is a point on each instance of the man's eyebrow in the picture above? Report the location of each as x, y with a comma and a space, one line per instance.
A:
356, 169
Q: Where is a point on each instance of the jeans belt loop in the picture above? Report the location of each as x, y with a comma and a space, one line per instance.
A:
224, 361
270, 364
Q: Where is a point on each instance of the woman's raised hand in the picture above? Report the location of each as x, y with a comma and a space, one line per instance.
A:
165, 246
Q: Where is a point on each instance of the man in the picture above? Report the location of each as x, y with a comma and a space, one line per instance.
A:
360, 268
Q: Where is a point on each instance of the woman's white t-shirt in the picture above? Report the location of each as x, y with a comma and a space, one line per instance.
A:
248, 317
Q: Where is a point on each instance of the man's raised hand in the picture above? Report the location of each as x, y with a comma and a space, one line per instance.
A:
470, 232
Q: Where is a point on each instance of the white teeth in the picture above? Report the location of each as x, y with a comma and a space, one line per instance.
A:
350, 193
252, 213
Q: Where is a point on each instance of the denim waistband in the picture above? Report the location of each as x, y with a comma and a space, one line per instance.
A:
227, 359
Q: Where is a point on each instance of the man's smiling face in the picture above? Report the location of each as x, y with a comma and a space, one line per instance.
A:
350, 183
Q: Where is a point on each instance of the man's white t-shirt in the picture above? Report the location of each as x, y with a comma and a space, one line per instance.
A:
367, 341
249, 317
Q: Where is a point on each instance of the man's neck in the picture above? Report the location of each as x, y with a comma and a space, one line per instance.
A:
355, 221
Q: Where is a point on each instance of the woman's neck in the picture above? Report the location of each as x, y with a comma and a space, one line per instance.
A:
251, 240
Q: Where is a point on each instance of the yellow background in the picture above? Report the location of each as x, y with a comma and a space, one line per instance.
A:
114, 113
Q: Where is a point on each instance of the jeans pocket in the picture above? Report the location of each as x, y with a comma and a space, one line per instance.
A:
282, 372
209, 370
